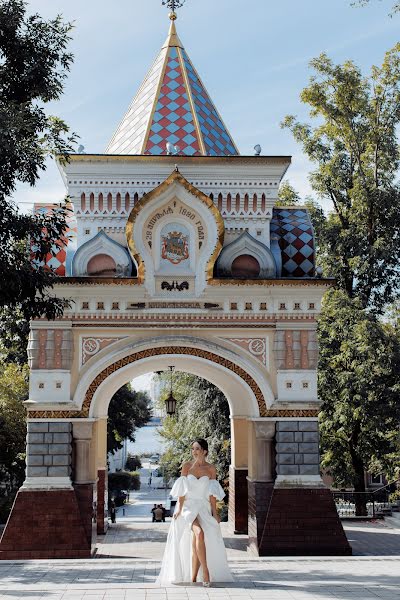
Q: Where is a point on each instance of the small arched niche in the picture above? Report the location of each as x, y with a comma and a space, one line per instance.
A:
101, 265
246, 258
245, 266
101, 257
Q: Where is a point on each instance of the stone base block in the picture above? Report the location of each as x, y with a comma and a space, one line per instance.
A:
45, 524
238, 500
303, 522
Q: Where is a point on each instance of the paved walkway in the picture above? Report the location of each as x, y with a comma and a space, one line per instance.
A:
297, 578
374, 575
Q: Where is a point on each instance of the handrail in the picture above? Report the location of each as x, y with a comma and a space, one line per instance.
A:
385, 486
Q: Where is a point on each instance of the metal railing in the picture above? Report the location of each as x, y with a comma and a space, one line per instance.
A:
372, 504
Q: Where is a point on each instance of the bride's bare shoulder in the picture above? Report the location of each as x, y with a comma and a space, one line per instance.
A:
212, 471
186, 468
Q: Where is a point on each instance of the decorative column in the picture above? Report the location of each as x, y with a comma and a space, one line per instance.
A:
46, 521
238, 470
84, 483
260, 479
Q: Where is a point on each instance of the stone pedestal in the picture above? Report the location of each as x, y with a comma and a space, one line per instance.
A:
301, 516
303, 522
45, 524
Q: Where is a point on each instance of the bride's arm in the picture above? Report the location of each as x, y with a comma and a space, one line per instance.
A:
181, 499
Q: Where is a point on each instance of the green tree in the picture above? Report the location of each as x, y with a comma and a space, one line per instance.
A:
202, 411
34, 63
287, 195
354, 148
128, 411
359, 378
133, 463
13, 391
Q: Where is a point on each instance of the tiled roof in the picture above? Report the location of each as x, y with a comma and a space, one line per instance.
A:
172, 105
293, 229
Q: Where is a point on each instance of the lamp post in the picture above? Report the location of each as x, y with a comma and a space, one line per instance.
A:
170, 402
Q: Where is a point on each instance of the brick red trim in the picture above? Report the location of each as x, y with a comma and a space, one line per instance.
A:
102, 496
238, 499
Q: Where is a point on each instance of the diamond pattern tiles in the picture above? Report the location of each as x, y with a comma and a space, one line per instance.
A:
292, 227
173, 120
217, 140
129, 136
60, 259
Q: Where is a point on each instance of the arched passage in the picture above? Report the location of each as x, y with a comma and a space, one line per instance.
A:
235, 375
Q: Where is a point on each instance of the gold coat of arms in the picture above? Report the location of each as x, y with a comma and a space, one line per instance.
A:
174, 247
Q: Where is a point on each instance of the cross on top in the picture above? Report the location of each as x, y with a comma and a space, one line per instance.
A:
173, 4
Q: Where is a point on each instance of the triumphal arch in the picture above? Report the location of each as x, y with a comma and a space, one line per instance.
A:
177, 254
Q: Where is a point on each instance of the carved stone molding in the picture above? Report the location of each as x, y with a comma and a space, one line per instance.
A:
296, 349
256, 346
93, 345
50, 349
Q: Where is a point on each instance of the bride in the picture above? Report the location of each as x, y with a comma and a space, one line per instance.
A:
195, 549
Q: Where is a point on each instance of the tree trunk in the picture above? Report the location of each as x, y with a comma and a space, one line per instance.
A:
359, 484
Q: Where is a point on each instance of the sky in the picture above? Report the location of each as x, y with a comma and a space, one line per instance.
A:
252, 56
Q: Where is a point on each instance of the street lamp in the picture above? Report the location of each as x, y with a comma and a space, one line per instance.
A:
170, 403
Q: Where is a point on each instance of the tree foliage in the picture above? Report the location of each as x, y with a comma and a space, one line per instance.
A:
360, 389
354, 147
128, 410
34, 63
13, 391
202, 411
287, 195
133, 463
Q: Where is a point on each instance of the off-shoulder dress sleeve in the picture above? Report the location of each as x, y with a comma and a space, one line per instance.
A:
216, 490
180, 487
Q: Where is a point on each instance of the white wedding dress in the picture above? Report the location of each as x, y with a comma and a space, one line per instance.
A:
177, 561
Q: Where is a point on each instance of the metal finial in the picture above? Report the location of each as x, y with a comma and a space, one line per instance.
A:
173, 5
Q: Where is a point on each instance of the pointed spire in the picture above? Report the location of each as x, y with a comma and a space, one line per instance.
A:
172, 105
172, 40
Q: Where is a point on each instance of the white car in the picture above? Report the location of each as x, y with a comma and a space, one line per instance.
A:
154, 460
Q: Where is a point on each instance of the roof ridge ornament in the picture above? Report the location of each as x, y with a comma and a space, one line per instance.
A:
173, 5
